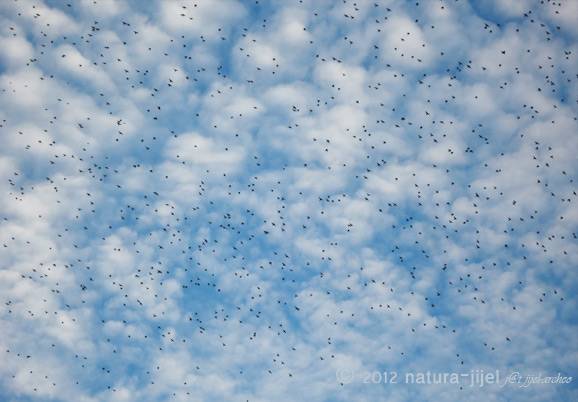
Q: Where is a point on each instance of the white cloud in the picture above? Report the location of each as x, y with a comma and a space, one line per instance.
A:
234, 200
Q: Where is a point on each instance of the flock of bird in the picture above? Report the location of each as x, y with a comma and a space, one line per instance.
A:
276, 186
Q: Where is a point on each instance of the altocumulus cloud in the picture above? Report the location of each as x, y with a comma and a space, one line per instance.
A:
284, 200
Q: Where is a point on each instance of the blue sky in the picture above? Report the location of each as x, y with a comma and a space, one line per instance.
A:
246, 201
